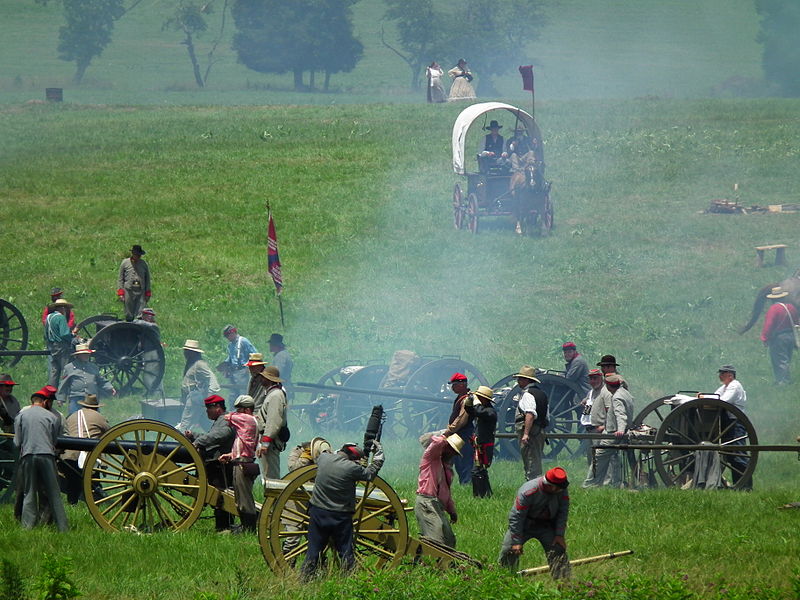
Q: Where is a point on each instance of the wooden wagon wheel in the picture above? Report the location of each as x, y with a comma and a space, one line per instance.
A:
472, 213
458, 207
144, 476
89, 327
704, 420
130, 357
546, 217
13, 331
344, 410
564, 398
380, 527
431, 379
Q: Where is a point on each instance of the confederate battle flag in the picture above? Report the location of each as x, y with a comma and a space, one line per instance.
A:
273, 260
527, 77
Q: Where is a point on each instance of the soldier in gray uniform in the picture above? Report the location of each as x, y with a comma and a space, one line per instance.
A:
255, 364
133, 284
283, 361
198, 383
81, 378
271, 417
36, 432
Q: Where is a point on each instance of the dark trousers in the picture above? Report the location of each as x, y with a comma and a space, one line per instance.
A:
324, 526
781, 347
543, 531
220, 476
463, 464
738, 462
42, 496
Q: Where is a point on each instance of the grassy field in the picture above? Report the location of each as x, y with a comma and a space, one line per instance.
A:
610, 49
361, 196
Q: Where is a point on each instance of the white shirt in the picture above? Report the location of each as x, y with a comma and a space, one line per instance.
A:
527, 404
733, 393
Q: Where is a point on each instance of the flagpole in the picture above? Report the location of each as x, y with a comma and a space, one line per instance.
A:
273, 261
280, 305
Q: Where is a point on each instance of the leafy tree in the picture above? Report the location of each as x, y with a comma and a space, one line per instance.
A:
780, 23
189, 19
419, 30
275, 36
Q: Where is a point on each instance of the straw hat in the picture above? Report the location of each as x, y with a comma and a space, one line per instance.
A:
255, 359
192, 345
456, 442
82, 349
318, 446
528, 372
90, 401
777, 292
59, 303
484, 391
614, 379
272, 374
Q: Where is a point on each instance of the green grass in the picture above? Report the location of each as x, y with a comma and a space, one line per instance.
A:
361, 195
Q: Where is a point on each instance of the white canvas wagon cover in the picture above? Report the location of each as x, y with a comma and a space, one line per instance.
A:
468, 116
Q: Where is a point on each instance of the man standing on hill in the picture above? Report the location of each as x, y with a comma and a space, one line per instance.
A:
479, 406
530, 421
59, 338
133, 283
198, 382
462, 423
55, 294
272, 427
234, 367
577, 371
282, 360
731, 391
778, 334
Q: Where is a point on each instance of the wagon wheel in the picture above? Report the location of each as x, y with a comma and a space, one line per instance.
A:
380, 528
144, 476
89, 327
546, 218
13, 331
458, 207
705, 420
563, 397
431, 379
129, 356
8, 469
353, 410
650, 418
472, 213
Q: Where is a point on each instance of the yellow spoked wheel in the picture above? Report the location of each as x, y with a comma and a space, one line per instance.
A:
144, 476
380, 528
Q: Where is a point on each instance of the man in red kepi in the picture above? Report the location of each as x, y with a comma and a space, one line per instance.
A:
540, 511
462, 423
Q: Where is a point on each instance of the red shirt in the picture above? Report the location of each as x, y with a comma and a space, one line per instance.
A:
778, 320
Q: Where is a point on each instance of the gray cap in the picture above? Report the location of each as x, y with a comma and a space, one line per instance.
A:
727, 369
244, 401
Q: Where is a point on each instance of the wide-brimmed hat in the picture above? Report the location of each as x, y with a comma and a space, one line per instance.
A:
272, 374
82, 349
492, 124
608, 360
318, 446
456, 442
614, 379
137, 249
727, 369
214, 399
192, 345
777, 292
276, 338
528, 372
255, 359
557, 476
59, 303
90, 401
48, 392
5, 379
484, 391
244, 401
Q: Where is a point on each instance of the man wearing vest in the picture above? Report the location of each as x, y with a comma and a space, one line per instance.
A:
530, 422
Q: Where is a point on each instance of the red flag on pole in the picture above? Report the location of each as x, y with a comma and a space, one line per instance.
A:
527, 77
273, 260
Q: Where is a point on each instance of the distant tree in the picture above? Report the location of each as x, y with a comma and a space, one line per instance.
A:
189, 18
780, 24
275, 36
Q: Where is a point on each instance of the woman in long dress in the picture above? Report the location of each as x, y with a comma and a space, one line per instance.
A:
461, 88
435, 89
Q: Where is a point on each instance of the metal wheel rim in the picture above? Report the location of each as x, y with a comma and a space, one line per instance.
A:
472, 213
13, 331
129, 354
458, 208
673, 465
83, 328
173, 502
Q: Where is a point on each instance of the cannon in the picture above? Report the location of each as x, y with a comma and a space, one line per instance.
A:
144, 476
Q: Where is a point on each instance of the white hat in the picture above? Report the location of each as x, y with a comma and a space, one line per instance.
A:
192, 345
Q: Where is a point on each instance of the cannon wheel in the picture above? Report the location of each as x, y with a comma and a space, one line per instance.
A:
143, 490
130, 357
564, 398
431, 379
697, 421
85, 329
13, 330
340, 409
458, 207
653, 414
8, 469
380, 527
472, 213
546, 219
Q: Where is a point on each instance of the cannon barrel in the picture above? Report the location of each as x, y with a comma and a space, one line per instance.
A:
124, 446
343, 389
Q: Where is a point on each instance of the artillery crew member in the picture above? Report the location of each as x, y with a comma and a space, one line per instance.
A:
577, 371
608, 364
619, 416
212, 445
272, 427
87, 422
80, 378
255, 364
55, 294
462, 423
59, 339
234, 366
540, 511
242, 457
198, 382
479, 406
595, 405
9, 409
282, 360
530, 421
731, 391
133, 284
434, 498
36, 433
333, 503
778, 334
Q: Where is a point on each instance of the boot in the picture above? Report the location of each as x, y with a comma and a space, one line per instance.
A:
249, 522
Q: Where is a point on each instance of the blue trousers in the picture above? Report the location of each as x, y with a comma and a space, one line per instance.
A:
324, 526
